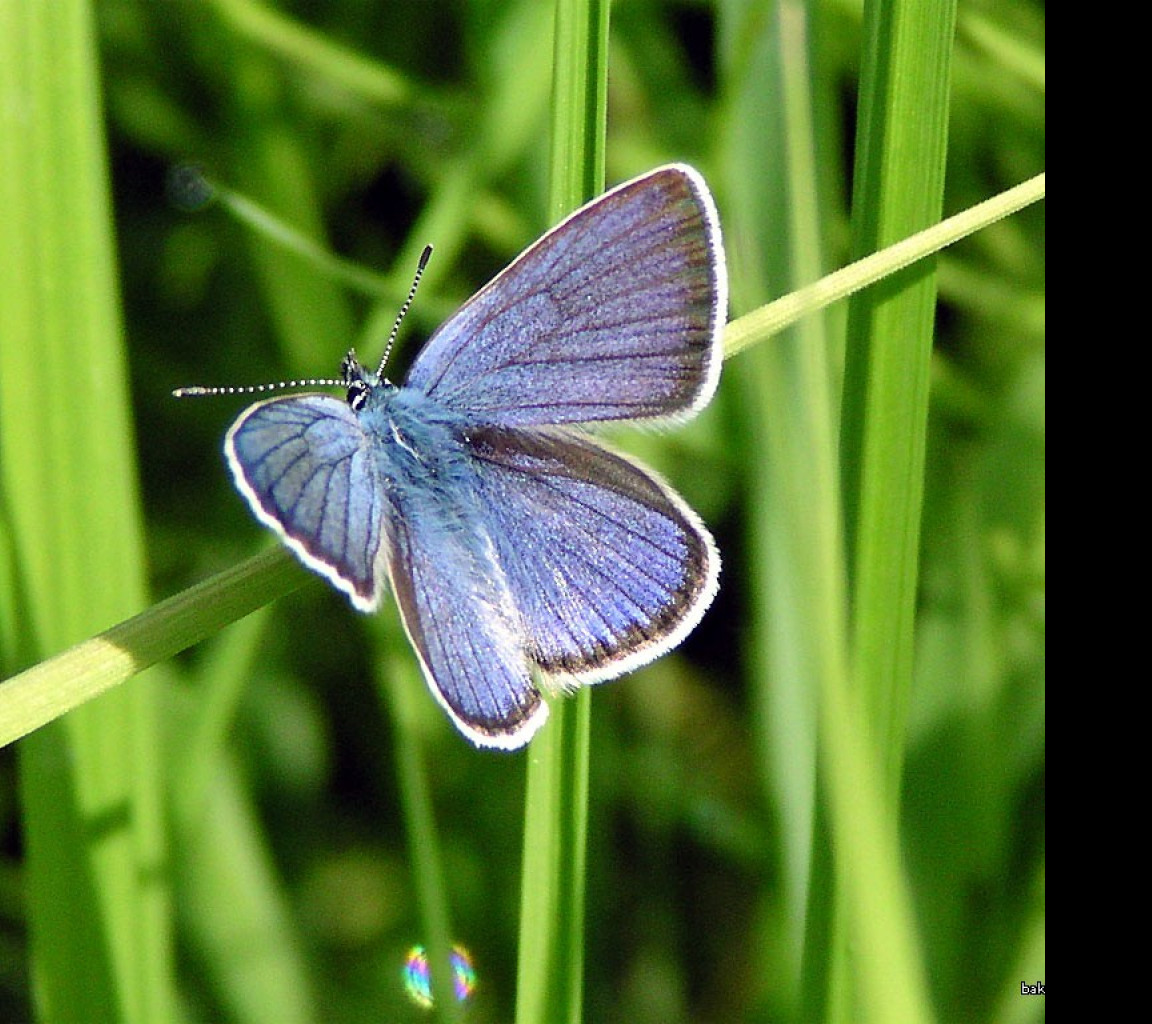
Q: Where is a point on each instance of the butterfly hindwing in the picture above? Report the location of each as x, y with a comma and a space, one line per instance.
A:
308, 470
613, 314
459, 615
606, 564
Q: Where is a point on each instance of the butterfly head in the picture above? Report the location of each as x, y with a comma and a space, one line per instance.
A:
359, 381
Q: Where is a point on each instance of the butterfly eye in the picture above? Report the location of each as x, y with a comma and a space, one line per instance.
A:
357, 394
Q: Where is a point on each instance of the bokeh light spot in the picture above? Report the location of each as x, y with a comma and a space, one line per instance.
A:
418, 981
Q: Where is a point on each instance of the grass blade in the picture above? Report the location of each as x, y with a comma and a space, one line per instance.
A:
869, 967
98, 903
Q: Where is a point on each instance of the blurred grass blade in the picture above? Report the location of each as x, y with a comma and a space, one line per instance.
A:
786, 391
323, 261
870, 966
235, 915
550, 978
233, 907
294, 42
402, 688
97, 899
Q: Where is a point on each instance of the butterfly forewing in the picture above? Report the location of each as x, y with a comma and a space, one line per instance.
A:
308, 470
614, 314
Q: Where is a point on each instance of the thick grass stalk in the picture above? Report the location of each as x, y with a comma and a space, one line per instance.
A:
97, 900
868, 967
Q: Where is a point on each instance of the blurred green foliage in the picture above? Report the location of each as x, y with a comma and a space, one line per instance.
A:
376, 128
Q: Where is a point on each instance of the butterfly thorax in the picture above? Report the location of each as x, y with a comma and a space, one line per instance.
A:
419, 444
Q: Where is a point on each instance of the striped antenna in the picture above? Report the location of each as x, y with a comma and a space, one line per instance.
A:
195, 391
425, 256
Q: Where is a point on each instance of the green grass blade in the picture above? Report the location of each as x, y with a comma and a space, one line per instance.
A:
899, 190
550, 977
579, 104
872, 968
53, 687
291, 41
233, 912
97, 900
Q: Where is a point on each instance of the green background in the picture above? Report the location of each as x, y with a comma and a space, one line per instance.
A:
303, 776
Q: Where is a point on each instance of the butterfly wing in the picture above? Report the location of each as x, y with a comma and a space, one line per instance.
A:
608, 567
307, 469
614, 314
458, 612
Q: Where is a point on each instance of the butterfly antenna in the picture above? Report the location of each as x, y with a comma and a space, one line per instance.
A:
425, 256
254, 389
197, 391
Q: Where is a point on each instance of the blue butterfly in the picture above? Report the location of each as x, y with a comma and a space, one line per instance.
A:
520, 550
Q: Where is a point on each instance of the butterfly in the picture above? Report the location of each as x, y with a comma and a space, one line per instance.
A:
522, 552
